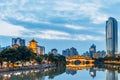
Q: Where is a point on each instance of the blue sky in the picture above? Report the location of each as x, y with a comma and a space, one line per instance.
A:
57, 24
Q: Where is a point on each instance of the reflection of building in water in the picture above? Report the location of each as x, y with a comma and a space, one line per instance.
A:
72, 72
111, 75
92, 72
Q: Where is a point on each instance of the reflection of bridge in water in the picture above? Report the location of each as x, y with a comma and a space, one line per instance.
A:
82, 62
79, 67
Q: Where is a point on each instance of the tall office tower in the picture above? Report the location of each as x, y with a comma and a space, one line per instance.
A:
111, 36
18, 41
92, 50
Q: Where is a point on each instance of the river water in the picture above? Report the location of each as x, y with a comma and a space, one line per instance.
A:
62, 73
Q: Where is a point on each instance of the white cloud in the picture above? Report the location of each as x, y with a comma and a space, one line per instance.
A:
7, 29
101, 32
65, 6
75, 27
83, 37
59, 35
52, 34
34, 11
82, 9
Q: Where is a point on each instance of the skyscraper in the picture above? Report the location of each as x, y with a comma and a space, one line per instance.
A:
111, 36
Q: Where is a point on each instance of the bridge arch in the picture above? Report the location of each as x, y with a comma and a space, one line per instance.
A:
79, 59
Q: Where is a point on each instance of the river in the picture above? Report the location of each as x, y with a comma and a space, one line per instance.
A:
63, 73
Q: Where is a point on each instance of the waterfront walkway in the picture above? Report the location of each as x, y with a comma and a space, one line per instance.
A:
43, 66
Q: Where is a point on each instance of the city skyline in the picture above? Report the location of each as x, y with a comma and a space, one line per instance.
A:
58, 24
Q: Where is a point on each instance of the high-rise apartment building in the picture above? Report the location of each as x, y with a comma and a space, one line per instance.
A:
111, 36
70, 52
18, 42
92, 50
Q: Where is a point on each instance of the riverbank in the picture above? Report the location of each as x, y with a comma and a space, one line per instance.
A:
40, 67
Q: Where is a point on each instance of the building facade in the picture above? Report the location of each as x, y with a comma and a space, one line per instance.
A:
40, 50
54, 51
33, 45
18, 42
66, 52
111, 36
70, 52
92, 50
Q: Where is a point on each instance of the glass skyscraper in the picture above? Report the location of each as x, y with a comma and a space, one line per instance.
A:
111, 36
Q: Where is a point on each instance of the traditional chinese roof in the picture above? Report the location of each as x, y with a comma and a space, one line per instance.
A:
33, 40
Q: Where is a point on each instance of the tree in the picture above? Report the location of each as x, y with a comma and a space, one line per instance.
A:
9, 55
25, 54
57, 59
39, 59
13, 55
1, 60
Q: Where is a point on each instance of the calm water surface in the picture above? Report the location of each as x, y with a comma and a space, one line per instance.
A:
62, 73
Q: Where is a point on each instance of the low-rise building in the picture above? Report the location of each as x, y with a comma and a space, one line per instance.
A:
39, 50
54, 51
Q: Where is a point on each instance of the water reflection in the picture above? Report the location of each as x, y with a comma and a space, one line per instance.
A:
111, 75
63, 73
72, 72
32, 74
111, 70
92, 72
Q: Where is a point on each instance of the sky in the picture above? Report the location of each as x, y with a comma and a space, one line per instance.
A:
57, 24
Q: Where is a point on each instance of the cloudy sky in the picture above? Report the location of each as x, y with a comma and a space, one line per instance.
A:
57, 24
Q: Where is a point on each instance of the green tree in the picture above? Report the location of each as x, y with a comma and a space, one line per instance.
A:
39, 59
1, 60
25, 54
9, 55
